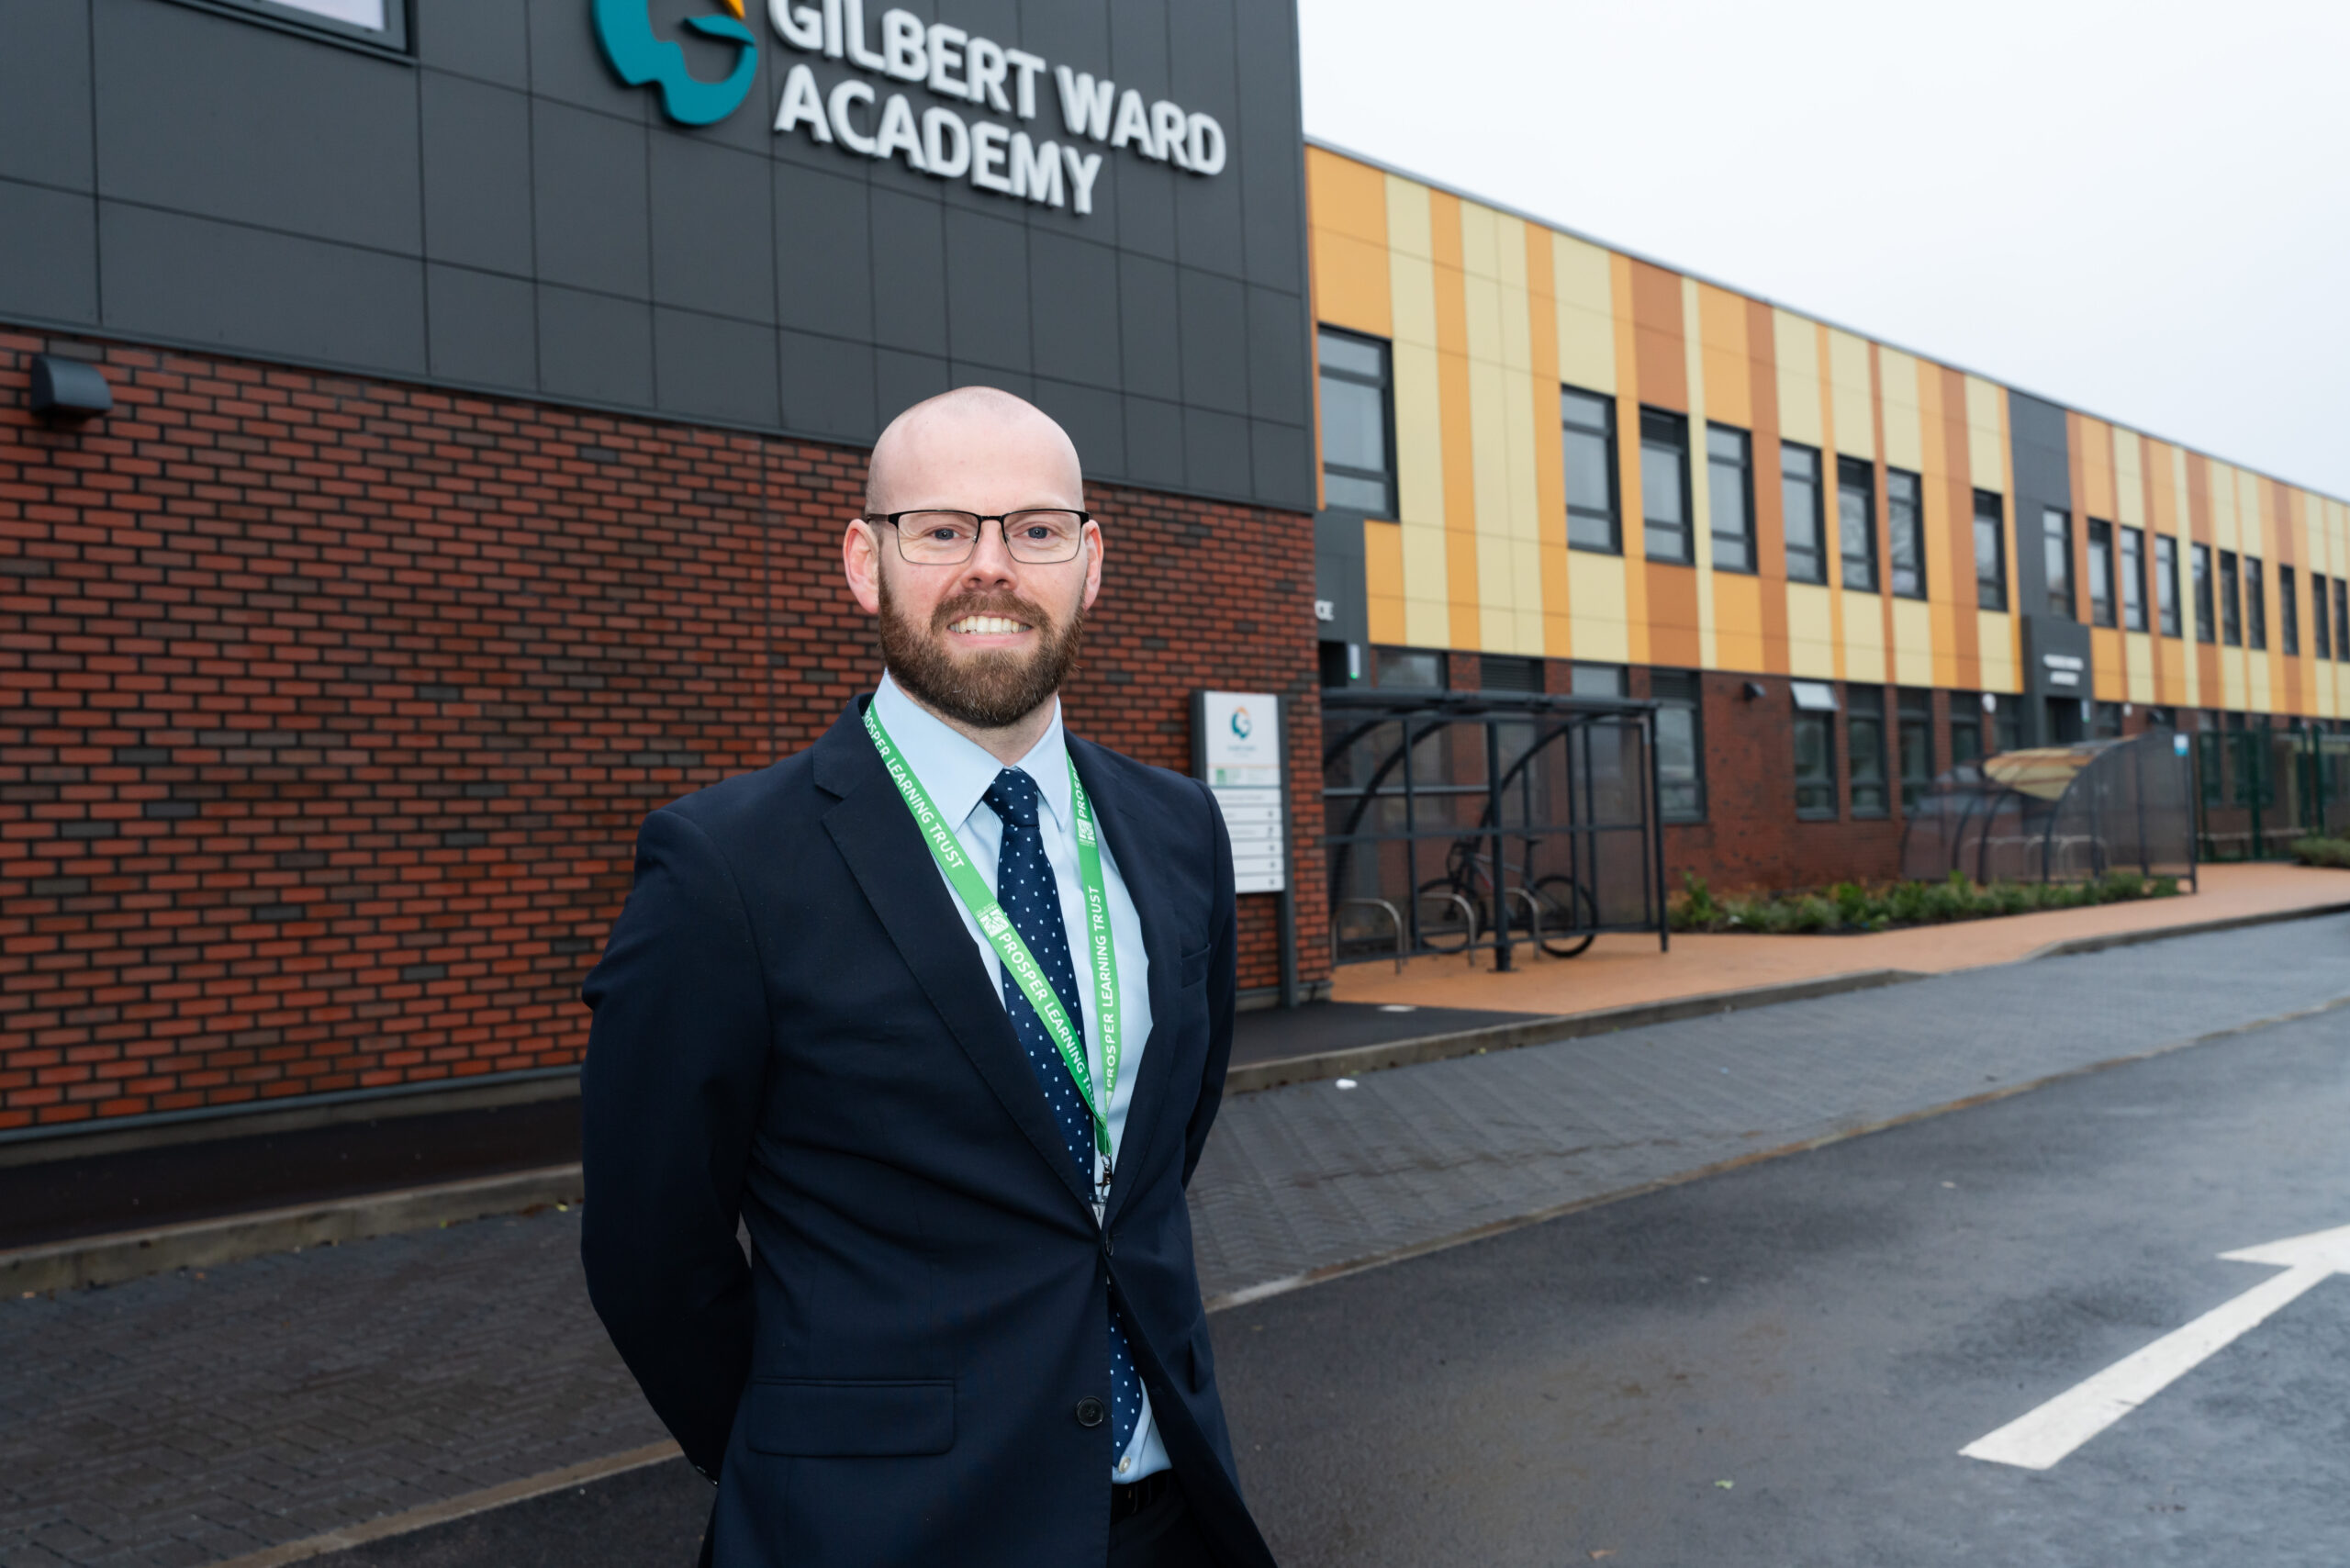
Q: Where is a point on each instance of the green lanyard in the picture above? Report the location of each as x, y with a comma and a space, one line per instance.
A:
1018, 961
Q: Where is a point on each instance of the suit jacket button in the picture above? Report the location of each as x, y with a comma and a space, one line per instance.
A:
1089, 1412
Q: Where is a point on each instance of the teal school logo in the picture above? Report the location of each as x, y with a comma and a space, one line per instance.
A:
625, 29
1241, 724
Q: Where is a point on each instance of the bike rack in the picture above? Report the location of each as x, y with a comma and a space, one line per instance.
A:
1467, 910
1393, 916
1533, 916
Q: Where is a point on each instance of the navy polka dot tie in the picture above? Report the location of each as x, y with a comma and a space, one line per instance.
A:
1029, 892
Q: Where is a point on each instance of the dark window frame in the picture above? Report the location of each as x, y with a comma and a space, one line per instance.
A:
396, 41
2230, 589
1391, 479
2206, 590
2169, 616
2288, 610
1913, 715
2105, 610
1818, 518
1867, 711
1746, 536
1606, 432
1806, 719
1897, 480
1966, 718
2256, 604
2341, 620
1663, 431
1663, 685
1857, 474
1382, 653
2130, 559
1992, 593
2321, 627
2056, 528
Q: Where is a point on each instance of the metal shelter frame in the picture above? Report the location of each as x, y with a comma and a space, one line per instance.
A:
1559, 903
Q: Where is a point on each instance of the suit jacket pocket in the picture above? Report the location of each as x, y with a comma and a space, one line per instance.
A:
813, 1418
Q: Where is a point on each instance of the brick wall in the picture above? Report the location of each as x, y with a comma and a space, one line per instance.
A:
332, 705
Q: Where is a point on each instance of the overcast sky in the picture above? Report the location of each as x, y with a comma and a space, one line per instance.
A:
2141, 210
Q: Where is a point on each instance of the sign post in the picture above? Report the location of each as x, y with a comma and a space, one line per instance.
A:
1237, 750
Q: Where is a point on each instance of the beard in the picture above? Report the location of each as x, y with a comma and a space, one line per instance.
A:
990, 691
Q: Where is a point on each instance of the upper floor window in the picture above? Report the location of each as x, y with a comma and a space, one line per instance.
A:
1587, 438
2166, 583
1730, 497
1856, 522
2056, 555
2100, 573
1905, 516
1990, 551
1664, 487
1357, 424
2198, 566
2341, 619
2230, 601
2321, 640
2256, 604
2133, 579
1799, 502
2289, 611
383, 23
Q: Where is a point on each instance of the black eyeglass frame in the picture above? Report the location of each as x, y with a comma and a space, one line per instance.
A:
1002, 522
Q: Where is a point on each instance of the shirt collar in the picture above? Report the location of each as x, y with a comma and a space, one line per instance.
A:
956, 771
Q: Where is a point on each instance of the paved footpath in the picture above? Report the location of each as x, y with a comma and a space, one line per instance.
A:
189, 1419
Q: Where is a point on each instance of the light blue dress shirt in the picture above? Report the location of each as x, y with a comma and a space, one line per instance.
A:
957, 771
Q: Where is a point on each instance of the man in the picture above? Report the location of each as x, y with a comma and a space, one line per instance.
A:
940, 1009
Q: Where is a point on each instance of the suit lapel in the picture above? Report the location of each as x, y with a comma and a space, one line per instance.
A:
885, 852
1138, 866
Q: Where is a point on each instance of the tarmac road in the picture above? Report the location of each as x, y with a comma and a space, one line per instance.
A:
1823, 1332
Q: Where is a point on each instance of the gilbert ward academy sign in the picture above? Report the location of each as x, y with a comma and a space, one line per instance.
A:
970, 108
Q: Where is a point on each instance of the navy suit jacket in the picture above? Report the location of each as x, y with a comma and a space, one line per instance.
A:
792, 1026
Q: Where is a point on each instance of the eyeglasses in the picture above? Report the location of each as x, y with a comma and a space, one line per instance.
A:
1036, 537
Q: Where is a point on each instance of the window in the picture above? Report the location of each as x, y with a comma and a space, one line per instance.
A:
2230, 601
1357, 424
2100, 573
382, 23
2166, 582
1799, 500
1595, 680
2200, 565
1906, 516
1990, 551
1730, 497
2256, 604
2289, 611
1498, 672
1856, 522
1680, 746
2104, 720
1815, 764
1915, 739
1587, 424
2133, 579
2323, 641
2341, 619
1412, 669
1966, 729
2006, 724
1664, 487
1864, 748
2056, 557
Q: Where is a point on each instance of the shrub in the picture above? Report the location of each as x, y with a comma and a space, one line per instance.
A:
1857, 906
2333, 852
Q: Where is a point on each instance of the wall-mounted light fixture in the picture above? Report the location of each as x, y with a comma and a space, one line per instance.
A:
1753, 691
68, 389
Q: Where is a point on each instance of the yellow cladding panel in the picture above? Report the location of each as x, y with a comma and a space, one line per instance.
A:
2224, 509
1797, 347
1478, 242
1410, 227
1580, 275
1913, 642
1428, 613
1905, 440
1811, 640
2129, 478
1986, 438
2138, 666
1351, 282
2251, 517
1995, 635
1848, 365
1863, 636
1693, 361
2185, 581
1721, 329
1383, 572
1595, 603
1347, 196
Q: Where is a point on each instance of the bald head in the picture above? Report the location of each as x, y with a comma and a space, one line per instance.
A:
974, 449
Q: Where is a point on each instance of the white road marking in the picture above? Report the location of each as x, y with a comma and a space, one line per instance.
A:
2043, 1437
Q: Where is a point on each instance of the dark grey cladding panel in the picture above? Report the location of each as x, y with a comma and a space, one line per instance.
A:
1015, 382
1073, 312
490, 40
909, 273
1284, 459
828, 386
502, 213
1095, 423
49, 259
485, 329
714, 367
823, 251
476, 174
595, 348
208, 113
589, 200
987, 290
45, 93
246, 289
2043, 478
712, 231
1151, 328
